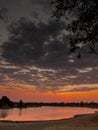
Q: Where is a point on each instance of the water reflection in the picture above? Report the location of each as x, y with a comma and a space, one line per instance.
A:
42, 113
20, 111
4, 113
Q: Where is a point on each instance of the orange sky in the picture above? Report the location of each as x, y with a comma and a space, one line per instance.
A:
16, 95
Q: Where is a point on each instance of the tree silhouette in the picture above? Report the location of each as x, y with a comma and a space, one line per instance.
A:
5, 99
83, 22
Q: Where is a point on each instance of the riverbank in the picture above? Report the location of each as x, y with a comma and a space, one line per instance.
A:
78, 122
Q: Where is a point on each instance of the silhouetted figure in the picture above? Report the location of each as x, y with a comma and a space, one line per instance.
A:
20, 104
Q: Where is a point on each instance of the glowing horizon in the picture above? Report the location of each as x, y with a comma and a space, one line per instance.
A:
49, 96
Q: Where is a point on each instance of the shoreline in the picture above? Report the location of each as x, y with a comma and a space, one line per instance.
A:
78, 122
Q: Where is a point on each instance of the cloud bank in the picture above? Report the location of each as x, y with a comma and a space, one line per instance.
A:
36, 53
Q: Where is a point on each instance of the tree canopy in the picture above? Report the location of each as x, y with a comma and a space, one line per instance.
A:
83, 15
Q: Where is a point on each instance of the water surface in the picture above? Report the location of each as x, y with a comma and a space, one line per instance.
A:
42, 113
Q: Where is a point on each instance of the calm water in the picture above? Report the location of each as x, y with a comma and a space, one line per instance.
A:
42, 113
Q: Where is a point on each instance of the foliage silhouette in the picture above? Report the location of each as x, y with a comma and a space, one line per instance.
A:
83, 22
5, 102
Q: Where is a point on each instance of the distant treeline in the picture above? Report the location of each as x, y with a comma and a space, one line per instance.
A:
62, 104
5, 102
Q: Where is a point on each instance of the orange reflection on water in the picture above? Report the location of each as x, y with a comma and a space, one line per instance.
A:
43, 113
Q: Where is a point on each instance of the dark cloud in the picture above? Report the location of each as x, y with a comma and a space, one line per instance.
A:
39, 54
42, 45
4, 14
8, 70
26, 44
51, 80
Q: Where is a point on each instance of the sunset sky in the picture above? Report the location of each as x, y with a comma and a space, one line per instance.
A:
35, 64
